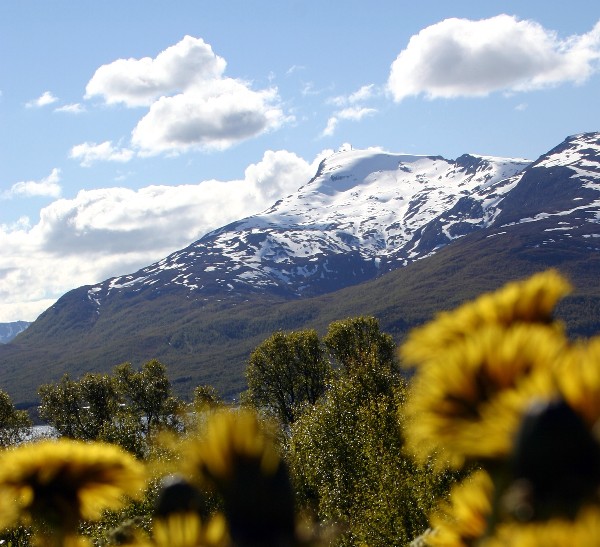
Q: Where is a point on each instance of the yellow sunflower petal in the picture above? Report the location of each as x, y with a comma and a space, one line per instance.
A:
531, 301
468, 403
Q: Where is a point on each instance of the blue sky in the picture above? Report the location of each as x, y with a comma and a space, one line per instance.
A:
129, 129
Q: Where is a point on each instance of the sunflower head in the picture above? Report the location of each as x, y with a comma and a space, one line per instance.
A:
555, 462
529, 301
579, 379
463, 520
584, 529
236, 456
58, 483
186, 529
467, 403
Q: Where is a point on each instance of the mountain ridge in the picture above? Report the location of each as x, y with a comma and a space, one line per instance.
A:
203, 308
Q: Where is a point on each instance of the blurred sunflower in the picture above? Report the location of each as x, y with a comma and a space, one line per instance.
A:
468, 403
463, 520
54, 485
236, 457
583, 531
187, 530
529, 301
579, 379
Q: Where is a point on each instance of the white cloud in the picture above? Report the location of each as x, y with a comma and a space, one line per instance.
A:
192, 105
330, 128
350, 108
214, 117
89, 152
295, 68
46, 187
74, 108
364, 93
353, 113
113, 231
139, 82
461, 57
44, 99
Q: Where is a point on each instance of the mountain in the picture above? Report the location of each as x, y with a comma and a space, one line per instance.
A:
392, 235
361, 215
9, 330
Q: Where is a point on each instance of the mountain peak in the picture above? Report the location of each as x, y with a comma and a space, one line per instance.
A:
362, 214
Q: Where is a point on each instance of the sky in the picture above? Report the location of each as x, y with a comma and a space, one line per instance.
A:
130, 129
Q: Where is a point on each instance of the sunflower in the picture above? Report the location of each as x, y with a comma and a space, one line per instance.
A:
583, 531
528, 301
187, 530
56, 484
467, 404
236, 457
463, 520
579, 379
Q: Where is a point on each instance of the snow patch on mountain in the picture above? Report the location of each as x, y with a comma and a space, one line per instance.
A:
363, 212
366, 212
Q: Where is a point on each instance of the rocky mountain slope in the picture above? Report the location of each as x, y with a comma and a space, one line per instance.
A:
426, 231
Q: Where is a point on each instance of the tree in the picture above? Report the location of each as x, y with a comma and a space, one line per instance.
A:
359, 350
346, 451
15, 425
122, 408
348, 466
206, 396
88, 409
358, 341
286, 372
148, 394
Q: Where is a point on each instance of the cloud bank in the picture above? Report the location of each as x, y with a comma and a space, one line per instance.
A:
114, 231
461, 57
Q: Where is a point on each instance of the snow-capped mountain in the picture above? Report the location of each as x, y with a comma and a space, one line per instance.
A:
426, 232
365, 212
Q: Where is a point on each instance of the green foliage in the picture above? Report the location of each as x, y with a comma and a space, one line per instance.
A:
358, 342
285, 373
123, 408
63, 407
206, 397
14, 424
346, 452
148, 394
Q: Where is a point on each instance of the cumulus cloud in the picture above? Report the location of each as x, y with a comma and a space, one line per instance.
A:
89, 152
212, 118
139, 82
44, 99
113, 231
46, 187
461, 57
192, 105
